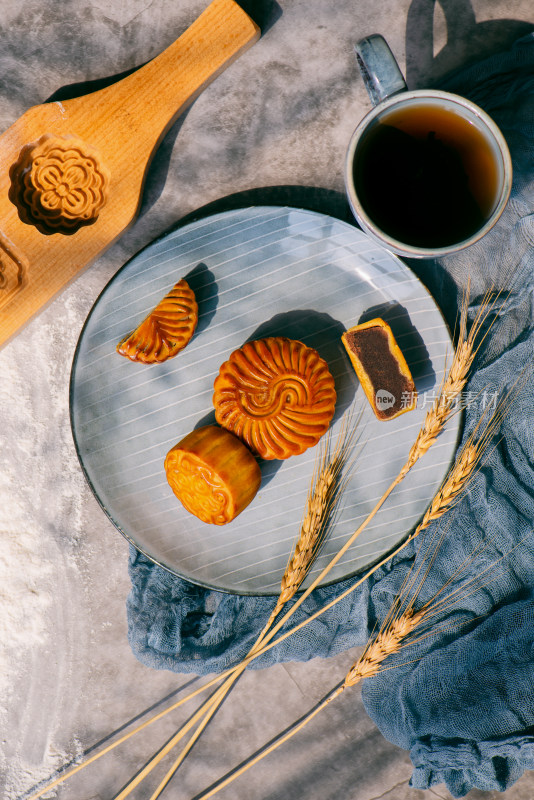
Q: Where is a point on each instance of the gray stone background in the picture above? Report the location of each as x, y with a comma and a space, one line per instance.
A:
281, 116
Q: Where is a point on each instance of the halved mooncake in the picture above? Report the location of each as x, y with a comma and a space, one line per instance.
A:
166, 330
277, 395
381, 368
213, 474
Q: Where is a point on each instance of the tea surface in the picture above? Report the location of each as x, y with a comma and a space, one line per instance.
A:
426, 176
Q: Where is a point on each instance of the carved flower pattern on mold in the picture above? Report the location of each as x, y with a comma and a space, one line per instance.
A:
59, 184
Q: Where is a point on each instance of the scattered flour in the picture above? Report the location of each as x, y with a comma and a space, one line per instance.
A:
25, 597
28, 596
41, 487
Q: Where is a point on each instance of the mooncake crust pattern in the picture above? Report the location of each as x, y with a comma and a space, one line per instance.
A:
277, 395
213, 474
381, 368
166, 330
198, 487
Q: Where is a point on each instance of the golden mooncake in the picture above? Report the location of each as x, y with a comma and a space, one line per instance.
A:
213, 474
381, 368
277, 395
166, 330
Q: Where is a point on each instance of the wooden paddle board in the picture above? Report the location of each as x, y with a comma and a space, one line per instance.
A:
72, 173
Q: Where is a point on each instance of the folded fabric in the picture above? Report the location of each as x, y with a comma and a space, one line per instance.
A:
463, 705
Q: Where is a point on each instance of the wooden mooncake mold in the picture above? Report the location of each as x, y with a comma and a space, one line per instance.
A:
381, 368
277, 395
213, 474
166, 330
59, 184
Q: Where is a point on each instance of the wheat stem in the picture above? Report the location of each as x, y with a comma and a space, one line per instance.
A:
332, 695
434, 422
433, 425
91, 759
395, 634
253, 653
396, 629
388, 642
321, 501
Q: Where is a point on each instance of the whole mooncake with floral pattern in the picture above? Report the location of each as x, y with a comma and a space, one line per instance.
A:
213, 474
277, 395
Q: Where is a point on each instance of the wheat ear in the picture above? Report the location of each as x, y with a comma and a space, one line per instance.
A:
327, 486
455, 483
387, 642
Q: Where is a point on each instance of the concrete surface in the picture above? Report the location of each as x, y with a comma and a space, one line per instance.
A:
281, 116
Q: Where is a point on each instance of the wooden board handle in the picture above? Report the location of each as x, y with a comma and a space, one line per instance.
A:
72, 172
142, 106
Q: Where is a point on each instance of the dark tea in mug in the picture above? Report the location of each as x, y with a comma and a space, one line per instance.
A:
425, 175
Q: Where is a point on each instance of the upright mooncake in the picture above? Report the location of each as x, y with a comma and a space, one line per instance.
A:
166, 330
277, 395
213, 474
381, 368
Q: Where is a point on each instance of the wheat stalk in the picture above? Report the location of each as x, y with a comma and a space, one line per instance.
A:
387, 642
324, 492
398, 628
326, 487
458, 477
260, 646
434, 422
397, 631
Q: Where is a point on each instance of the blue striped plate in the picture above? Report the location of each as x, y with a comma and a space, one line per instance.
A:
262, 271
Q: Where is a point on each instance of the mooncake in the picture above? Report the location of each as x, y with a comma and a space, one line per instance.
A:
166, 330
277, 395
381, 368
213, 474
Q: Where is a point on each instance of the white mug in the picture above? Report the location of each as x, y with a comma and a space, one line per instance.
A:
427, 173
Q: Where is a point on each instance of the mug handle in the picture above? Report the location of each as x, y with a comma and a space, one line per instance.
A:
380, 71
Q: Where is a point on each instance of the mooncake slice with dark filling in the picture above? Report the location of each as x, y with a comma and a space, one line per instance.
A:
381, 368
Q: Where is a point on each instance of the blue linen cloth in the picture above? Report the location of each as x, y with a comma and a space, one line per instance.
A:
463, 705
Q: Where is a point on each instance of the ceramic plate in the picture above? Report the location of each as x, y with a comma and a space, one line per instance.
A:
262, 271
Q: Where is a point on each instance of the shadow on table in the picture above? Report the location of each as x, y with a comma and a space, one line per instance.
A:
467, 40
309, 198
